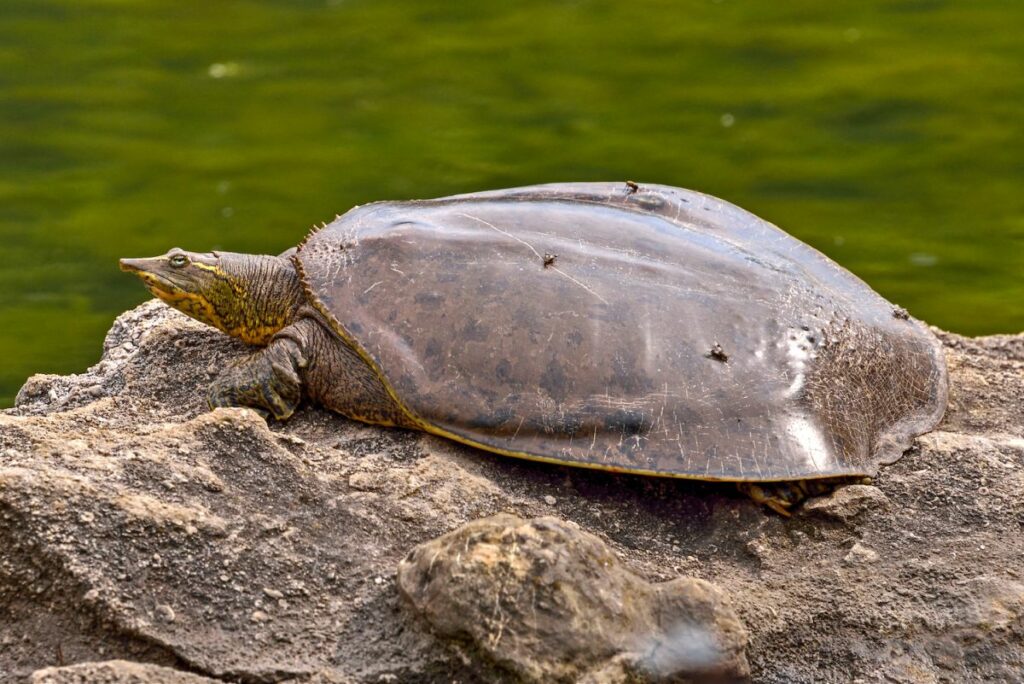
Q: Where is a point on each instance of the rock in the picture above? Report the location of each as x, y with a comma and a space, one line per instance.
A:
860, 554
553, 603
847, 503
165, 612
115, 672
123, 507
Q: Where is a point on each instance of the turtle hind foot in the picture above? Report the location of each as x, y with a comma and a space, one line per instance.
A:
267, 382
783, 497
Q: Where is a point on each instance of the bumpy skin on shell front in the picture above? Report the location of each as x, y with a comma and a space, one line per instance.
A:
671, 334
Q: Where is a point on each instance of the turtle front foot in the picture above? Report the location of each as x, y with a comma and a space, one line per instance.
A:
268, 382
783, 497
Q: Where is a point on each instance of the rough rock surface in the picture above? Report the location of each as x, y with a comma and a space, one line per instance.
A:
116, 672
137, 525
553, 603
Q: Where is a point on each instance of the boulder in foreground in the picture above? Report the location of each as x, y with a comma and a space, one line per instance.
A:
554, 604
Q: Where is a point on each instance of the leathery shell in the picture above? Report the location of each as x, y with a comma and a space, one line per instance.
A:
645, 329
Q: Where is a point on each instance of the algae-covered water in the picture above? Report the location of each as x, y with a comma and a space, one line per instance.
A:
889, 134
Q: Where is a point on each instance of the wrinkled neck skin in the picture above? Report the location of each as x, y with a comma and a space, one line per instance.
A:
248, 296
264, 297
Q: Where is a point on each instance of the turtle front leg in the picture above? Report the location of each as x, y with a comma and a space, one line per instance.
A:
268, 381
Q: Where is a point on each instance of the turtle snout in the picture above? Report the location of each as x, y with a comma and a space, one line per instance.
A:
132, 265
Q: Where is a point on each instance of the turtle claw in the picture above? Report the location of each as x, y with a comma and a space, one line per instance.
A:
780, 497
778, 506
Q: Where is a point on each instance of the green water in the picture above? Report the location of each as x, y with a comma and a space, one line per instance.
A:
890, 134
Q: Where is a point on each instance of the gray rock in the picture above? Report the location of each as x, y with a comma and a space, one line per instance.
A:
553, 603
117, 505
860, 554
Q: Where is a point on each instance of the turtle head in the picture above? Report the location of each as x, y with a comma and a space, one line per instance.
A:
247, 296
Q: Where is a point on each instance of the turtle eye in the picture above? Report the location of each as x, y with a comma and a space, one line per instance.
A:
178, 260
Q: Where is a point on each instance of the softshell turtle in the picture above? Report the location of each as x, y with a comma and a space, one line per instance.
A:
642, 329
